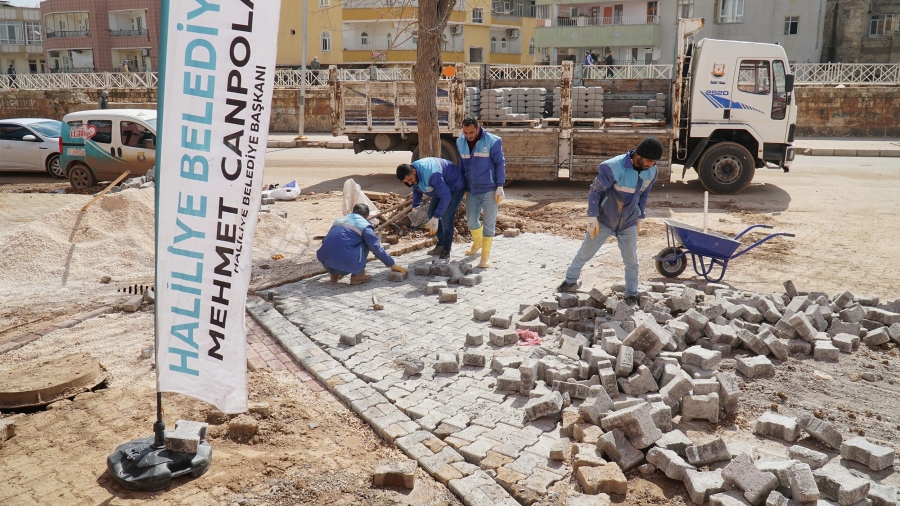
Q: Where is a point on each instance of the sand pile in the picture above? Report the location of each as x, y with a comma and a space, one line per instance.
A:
115, 238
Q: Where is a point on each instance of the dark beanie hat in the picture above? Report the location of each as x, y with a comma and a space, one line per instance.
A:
650, 148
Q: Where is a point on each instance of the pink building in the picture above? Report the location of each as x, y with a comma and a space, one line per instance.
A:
101, 35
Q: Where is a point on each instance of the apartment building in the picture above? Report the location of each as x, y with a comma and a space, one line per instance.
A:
101, 35
384, 32
21, 39
862, 31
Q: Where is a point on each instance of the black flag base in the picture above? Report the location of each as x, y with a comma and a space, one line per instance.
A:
143, 465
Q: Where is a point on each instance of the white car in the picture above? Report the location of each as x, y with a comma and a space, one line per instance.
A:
30, 144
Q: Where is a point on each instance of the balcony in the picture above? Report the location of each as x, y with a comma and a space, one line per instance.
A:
508, 48
455, 44
68, 33
588, 31
128, 33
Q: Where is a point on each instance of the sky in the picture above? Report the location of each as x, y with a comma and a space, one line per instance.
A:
25, 3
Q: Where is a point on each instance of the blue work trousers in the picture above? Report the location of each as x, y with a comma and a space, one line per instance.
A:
445, 222
474, 205
627, 245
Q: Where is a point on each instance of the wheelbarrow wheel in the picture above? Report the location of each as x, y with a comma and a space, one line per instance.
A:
672, 264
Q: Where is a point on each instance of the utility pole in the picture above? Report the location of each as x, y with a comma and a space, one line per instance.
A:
303, 72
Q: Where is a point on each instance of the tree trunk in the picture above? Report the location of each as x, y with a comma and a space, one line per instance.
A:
433, 16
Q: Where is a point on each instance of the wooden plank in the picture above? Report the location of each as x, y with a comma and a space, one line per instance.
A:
102, 193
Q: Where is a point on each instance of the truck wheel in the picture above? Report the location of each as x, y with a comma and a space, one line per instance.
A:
726, 167
81, 177
448, 152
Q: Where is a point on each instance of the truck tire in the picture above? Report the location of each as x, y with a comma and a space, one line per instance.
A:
448, 152
81, 177
726, 168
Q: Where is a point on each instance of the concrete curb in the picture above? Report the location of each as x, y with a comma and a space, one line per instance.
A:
24, 338
887, 153
309, 144
472, 485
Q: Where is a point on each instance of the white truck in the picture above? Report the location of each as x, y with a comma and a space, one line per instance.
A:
730, 111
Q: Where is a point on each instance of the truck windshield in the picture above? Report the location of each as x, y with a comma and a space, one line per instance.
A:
779, 97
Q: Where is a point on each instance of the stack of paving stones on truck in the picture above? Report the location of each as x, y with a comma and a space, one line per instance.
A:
655, 109
500, 422
587, 102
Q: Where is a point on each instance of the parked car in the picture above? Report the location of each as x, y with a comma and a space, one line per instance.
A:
31, 144
100, 145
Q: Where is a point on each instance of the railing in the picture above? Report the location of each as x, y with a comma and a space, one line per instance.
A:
287, 78
459, 5
127, 33
601, 21
628, 72
846, 73
385, 44
73, 70
69, 33
511, 48
524, 72
105, 80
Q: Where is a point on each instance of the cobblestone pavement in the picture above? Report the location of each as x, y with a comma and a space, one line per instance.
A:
486, 439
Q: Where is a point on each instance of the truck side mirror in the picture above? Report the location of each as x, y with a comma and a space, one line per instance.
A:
789, 83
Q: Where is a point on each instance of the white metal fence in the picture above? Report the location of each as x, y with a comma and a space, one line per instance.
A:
806, 73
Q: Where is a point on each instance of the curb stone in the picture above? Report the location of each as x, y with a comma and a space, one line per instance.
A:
473, 488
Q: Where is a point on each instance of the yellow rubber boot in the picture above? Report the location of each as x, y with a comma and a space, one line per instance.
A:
486, 252
476, 240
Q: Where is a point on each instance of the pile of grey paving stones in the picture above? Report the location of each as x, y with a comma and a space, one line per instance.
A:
617, 375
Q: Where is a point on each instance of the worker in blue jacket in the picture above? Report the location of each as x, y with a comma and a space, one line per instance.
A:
616, 205
482, 160
347, 244
445, 183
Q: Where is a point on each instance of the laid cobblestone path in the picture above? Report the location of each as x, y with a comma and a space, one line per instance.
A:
485, 439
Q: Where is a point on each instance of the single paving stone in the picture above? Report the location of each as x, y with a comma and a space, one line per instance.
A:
624, 361
607, 478
395, 474
649, 338
501, 322
755, 367
677, 388
675, 441
349, 339
638, 383
637, 424
701, 357
476, 358
396, 276
825, 351
700, 485
743, 474
703, 407
776, 499
413, 366
812, 458
616, 446
510, 380
780, 426
874, 456
543, 406
845, 342
503, 337
484, 314
576, 499
882, 495
705, 454
732, 498
435, 287
474, 338
672, 465
596, 406
185, 438
820, 430
778, 347
560, 449
446, 364
447, 295
837, 483
803, 483
877, 337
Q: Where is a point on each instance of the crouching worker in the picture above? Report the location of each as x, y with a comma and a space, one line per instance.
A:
445, 183
346, 246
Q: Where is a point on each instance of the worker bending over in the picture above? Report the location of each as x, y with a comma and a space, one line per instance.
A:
445, 183
347, 244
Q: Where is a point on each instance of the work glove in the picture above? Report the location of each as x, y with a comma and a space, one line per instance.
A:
499, 195
397, 268
640, 224
432, 226
593, 226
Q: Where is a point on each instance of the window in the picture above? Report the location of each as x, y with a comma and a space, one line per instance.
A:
478, 15
33, 33
883, 24
520, 7
542, 12
531, 46
14, 132
574, 12
135, 135
753, 77
493, 44
533, 9
326, 41
507, 6
685, 8
324, 3
11, 32
364, 39
791, 23
503, 45
652, 11
72, 24
389, 37
779, 98
731, 11
476, 55
104, 130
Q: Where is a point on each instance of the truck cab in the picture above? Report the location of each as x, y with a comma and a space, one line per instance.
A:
740, 110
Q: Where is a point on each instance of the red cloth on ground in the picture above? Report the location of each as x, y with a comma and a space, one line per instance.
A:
528, 338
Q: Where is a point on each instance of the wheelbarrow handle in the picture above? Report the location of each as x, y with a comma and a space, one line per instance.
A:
766, 226
789, 235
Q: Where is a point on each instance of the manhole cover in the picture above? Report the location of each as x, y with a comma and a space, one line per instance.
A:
42, 382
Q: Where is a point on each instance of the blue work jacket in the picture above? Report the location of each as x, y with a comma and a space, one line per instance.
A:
348, 243
485, 166
437, 178
618, 196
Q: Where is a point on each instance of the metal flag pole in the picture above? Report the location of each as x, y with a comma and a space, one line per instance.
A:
303, 72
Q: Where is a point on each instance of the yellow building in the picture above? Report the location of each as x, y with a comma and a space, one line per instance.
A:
21, 39
363, 32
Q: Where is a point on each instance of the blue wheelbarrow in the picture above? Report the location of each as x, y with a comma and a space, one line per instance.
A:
708, 250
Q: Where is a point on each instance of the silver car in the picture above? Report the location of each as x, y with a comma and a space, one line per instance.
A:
30, 144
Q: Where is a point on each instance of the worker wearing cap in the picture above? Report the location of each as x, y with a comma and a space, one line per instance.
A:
347, 244
445, 183
481, 157
616, 205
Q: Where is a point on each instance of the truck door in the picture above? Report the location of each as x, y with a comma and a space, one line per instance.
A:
780, 102
751, 97
138, 147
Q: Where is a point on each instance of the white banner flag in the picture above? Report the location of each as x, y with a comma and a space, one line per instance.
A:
215, 94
